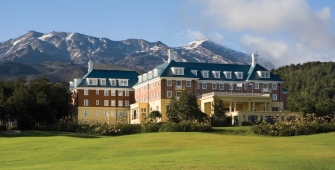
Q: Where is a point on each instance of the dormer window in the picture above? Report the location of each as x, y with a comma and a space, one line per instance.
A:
216, 74
195, 72
264, 74
112, 82
140, 78
149, 74
227, 74
92, 81
123, 82
178, 70
145, 77
103, 82
239, 75
204, 73
155, 72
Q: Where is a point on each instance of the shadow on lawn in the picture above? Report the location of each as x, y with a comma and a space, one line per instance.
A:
31, 133
232, 131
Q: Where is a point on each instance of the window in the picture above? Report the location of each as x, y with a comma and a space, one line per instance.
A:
85, 113
120, 102
139, 78
274, 86
97, 113
143, 110
178, 93
274, 97
113, 82
252, 118
238, 86
149, 74
216, 74
126, 93
198, 95
198, 85
239, 75
112, 102
103, 82
123, 82
105, 92
97, 92
106, 113
221, 87
85, 102
120, 93
194, 72
122, 114
105, 102
169, 83
188, 83
204, 74
169, 94
227, 74
97, 102
178, 70
155, 95
275, 109
178, 83
264, 74
90, 82
256, 85
204, 85
231, 86
214, 86
112, 92
85, 92
126, 103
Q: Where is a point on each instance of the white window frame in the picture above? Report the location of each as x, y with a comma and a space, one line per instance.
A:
214, 86
198, 85
86, 92
178, 94
106, 103
103, 82
85, 102
239, 75
231, 86
204, 85
85, 112
221, 85
120, 103
126, 103
274, 97
178, 70
106, 93
274, 86
112, 82
264, 74
227, 74
168, 94
126, 93
205, 73
237, 87
195, 72
97, 112
97, 102
112, 102
120, 93
188, 83
92, 81
216, 74
123, 82
97, 92
113, 92
169, 83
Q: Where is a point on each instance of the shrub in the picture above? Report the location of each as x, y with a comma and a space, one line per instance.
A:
310, 124
150, 127
245, 123
184, 127
221, 121
3, 127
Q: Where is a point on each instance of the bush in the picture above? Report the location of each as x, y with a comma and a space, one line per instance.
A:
150, 127
3, 127
184, 127
310, 124
221, 121
245, 123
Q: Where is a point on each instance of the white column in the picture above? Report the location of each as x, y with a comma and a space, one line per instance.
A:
265, 106
235, 106
229, 106
253, 106
248, 106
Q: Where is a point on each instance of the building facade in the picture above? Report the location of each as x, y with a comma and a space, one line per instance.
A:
249, 92
103, 95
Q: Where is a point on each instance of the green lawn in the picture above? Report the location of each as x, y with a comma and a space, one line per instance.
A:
53, 150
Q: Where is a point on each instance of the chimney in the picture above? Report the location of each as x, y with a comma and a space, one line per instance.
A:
171, 55
254, 58
90, 65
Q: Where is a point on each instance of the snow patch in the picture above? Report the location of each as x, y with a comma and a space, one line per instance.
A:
194, 44
44, 36
17, 41
69, 37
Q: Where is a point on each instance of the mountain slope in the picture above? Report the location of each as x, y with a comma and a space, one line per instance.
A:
35, 47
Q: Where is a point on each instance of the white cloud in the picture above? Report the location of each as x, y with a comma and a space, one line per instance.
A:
190, 35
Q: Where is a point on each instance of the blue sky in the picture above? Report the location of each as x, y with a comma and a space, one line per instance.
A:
287, 31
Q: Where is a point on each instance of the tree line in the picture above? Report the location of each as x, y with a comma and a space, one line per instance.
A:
37, 102
311, 87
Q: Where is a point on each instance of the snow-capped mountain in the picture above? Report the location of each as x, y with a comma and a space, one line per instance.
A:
35, 47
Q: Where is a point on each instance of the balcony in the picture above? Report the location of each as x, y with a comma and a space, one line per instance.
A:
179, 87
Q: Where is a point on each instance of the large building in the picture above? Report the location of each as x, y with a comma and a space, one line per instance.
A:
103, 95
249, 92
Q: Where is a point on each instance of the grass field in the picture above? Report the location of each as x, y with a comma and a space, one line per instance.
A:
223, 149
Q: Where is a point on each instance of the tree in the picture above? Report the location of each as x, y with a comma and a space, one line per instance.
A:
173, 111
154, 115
218, 108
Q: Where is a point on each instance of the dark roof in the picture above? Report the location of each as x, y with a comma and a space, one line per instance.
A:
253, 75
113, 74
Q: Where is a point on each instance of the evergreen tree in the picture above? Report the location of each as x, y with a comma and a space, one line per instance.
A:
173, 111
154, 115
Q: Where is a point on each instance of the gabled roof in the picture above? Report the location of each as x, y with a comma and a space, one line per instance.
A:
253, 75
113, 74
